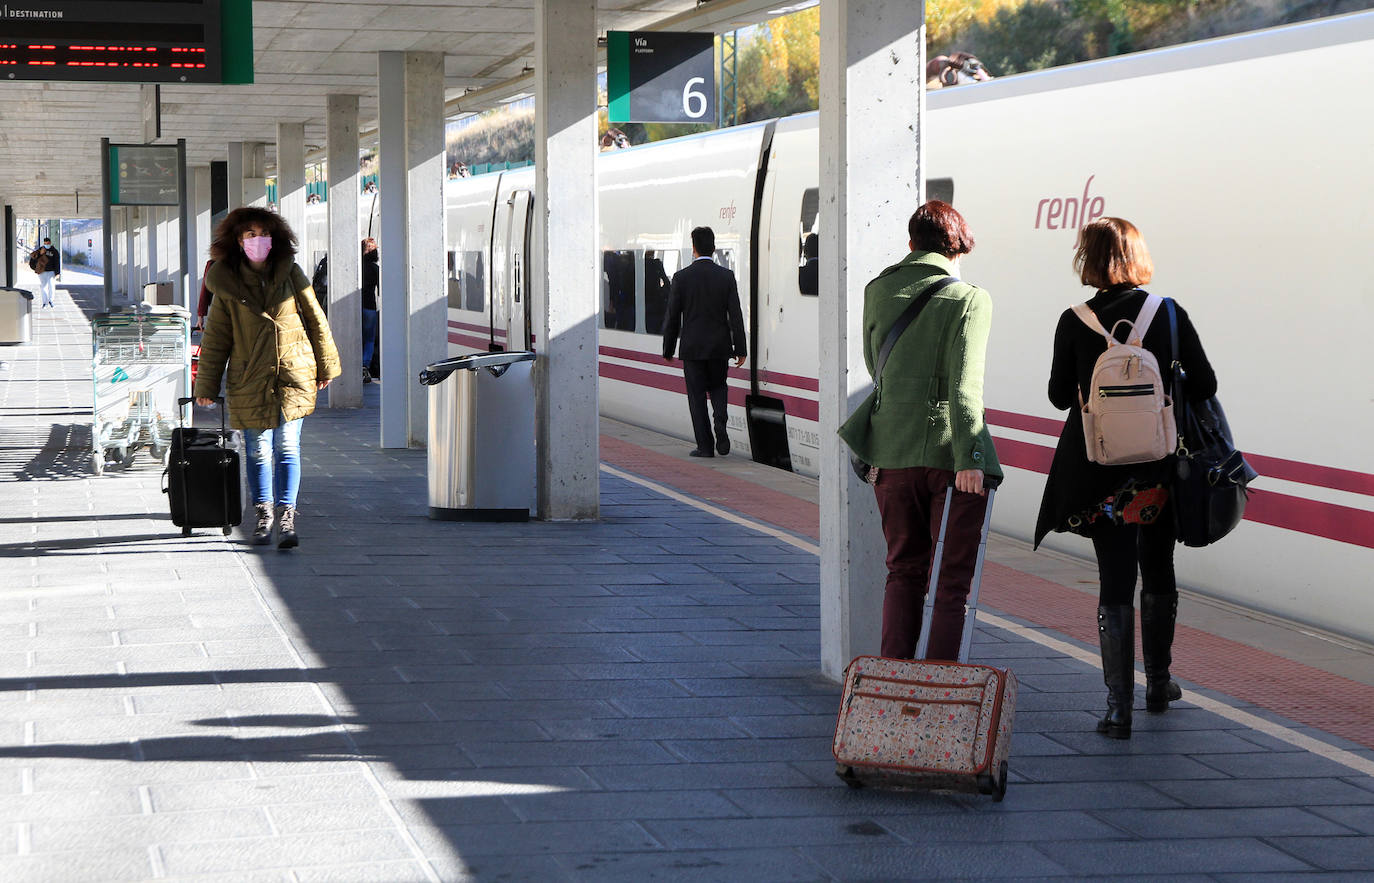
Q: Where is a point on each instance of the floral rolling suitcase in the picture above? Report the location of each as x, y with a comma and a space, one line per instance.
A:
927, 724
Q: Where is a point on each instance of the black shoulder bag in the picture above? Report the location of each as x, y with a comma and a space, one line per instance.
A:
862, 469
1209, 488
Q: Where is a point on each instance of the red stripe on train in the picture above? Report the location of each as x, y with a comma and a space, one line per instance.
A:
799, 407
793, 380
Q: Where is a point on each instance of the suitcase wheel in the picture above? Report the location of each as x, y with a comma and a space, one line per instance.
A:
1001, 791
186, 531
227, 530
846, 772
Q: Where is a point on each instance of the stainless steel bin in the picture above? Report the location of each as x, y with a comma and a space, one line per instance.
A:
16, 315
481, 437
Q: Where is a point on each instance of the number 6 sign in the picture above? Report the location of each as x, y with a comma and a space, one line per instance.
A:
660, 77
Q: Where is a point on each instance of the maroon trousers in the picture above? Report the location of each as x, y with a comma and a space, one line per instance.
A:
911, 502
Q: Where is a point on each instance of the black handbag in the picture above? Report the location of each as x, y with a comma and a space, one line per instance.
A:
862, 469
1211, 476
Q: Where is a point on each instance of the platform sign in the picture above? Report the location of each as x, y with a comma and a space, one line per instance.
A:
660, 77
144, 174
125, 41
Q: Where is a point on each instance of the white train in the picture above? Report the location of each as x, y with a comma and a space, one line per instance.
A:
1248, 172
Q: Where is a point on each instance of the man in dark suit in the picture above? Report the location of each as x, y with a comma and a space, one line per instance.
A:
703, 307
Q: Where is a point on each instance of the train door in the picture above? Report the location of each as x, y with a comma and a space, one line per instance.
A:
500, 270
517, 270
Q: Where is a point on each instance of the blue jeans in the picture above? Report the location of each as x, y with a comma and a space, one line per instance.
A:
274, 451
369, 335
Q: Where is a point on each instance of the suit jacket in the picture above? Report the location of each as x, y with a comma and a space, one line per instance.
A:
703, 308
927, 407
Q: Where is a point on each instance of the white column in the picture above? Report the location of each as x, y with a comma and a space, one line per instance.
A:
871, 73
291, 183
426, 293
392, 156
564, 274
199, 230
345, 297
234, 176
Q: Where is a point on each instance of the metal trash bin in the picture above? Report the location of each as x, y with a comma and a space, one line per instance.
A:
481, 437
16, 315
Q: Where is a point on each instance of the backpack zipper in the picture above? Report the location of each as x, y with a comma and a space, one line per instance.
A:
1134, 389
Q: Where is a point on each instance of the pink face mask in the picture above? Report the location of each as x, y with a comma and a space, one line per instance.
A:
257, 247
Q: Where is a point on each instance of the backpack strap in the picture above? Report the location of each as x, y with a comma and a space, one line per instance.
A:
1147, 314
1089, 318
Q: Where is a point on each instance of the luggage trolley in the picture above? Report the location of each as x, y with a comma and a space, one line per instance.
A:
140, 367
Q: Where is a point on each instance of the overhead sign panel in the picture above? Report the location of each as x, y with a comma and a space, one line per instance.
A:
144, 174
121, 41
660, 77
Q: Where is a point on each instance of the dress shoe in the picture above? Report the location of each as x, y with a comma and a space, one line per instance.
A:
723, 445
698, 452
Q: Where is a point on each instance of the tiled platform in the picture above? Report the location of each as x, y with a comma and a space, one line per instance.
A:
637, 699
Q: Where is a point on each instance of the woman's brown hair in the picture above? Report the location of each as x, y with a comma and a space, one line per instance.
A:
937, 227
1112, 252
225, 245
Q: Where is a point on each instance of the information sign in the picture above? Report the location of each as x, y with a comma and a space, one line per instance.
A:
124, 41
660, 77
144, 175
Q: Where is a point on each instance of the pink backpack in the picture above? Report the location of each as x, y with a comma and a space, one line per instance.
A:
1127, 418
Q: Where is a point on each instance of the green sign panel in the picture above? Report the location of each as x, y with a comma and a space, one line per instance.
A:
660, 77
144, 175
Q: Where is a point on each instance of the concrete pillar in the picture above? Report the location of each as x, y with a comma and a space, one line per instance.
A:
345, 297
291, 183
392, 157
234, 155
8, 257
426, 288
871, 72
565, 269
254, 174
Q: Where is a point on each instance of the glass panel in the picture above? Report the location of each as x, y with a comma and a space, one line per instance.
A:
618, 290
474, 281
941, 189
455, 283
659, 267
808, 244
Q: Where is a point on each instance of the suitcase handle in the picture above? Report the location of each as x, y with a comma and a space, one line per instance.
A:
971, 604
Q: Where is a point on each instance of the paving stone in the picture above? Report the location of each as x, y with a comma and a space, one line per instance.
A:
1266, 792
880, 862
1358, 818
1183, 856
1353, 853
79, 866
285, 850
118, 831
259, 792
577, 753
759, 865
536, 838
1248, 822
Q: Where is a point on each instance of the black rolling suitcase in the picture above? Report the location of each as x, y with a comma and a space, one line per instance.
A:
202, 477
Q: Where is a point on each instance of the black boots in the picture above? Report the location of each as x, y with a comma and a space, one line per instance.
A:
1116, 632
1157, 616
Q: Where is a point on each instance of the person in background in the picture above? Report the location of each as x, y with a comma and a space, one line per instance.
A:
922, 428
47, 263
203, 304
1124, 509
808, 274
703, 305
267, 329
371, 278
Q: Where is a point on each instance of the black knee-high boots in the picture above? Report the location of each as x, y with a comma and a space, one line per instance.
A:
1157, 616
1116, 632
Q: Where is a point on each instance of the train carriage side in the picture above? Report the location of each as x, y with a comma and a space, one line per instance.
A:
1253, 190
650, 199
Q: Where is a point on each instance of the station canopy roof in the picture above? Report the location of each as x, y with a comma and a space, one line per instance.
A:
304, 50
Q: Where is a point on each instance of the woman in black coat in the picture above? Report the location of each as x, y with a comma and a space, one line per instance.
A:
1125, 509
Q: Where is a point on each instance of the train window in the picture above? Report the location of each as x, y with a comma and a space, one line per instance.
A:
659, 267
618, 290
941, 189
808, 243
455, 283
467, 281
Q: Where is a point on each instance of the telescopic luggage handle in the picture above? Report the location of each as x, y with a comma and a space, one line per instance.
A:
218, 400
990, 484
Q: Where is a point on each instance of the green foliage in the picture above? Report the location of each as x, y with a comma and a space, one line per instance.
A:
503, 134
779, 69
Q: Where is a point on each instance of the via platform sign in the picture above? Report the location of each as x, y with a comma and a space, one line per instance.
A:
660, 77
144, 174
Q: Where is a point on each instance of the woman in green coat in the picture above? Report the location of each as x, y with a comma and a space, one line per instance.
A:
266, 327
923, 430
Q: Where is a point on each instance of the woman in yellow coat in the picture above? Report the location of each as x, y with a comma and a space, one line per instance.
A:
266, 327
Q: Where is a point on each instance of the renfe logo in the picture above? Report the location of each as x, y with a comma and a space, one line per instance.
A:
1069, 212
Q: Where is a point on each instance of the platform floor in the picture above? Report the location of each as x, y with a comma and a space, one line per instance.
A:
401, 699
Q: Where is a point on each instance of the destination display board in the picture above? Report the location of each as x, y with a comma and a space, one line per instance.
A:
144, 174
660, 77
125, 41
